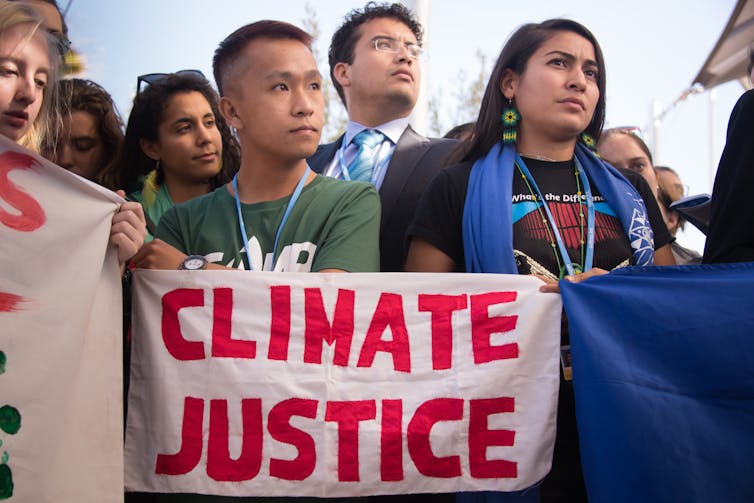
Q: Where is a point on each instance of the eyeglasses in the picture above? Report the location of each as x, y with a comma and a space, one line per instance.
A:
151, 78
387, 44
679, 190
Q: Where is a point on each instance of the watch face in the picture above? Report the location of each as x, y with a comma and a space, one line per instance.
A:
194, 263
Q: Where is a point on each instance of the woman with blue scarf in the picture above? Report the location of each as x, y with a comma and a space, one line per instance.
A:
529, 196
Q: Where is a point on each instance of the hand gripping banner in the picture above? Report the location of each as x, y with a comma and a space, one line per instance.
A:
61, 416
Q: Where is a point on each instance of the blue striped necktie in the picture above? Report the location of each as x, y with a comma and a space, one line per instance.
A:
362, 165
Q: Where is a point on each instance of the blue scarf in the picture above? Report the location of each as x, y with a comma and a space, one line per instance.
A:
487, 224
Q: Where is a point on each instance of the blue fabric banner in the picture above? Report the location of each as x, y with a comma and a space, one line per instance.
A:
663, 368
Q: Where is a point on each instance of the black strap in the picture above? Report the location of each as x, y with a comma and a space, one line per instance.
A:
151, 227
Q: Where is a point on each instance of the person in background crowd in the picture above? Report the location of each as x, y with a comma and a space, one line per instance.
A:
670, 182
672, 189
374, 65
29, 64
53, 22
177, 145
92, 133
546, 91
624, 148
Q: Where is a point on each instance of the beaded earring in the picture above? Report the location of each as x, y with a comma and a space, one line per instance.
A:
510, 120
588, 140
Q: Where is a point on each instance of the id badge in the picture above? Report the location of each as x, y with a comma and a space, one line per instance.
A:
565, 362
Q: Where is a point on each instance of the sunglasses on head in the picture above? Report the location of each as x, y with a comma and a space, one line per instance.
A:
151, 78
634, 130
61, 41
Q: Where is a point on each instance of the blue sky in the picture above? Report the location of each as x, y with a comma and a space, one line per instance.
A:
653, 49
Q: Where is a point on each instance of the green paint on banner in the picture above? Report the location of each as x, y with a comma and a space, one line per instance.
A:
10, 419
10, 422
6, 482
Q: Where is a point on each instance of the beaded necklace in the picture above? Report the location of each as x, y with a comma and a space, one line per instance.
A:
564, 263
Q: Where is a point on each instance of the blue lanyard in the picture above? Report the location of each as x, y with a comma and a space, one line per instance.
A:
377, 172
589, 259
291, 204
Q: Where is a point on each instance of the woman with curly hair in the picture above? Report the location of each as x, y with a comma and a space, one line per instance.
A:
177, 145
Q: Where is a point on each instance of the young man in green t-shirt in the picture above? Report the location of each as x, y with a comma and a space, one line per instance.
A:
276, 215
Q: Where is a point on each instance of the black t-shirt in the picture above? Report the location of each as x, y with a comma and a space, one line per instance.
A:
439, 218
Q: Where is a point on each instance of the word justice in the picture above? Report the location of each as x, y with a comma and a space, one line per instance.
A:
338, 330
346, 416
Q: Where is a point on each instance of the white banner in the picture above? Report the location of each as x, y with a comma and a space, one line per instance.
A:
328, 385
61, 400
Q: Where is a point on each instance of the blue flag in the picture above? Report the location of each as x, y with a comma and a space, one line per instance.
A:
663, 369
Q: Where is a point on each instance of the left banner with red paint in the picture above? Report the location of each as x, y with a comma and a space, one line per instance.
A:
60, 335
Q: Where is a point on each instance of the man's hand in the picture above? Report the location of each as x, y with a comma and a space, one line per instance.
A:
157, 254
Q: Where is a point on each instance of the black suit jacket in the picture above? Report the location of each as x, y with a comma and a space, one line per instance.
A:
415, 162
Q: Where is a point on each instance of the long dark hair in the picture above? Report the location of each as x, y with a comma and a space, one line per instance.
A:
144, 121
519, 48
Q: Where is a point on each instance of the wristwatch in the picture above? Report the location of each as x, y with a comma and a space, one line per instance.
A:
193, 263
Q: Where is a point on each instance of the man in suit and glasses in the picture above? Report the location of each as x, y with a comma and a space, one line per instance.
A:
374, 65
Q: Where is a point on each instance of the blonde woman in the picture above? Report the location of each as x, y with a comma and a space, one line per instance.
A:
28, 71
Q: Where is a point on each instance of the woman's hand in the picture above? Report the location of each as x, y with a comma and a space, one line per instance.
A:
551, 285
157, 254
128, 230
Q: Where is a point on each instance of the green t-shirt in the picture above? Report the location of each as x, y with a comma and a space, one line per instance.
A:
333, 225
